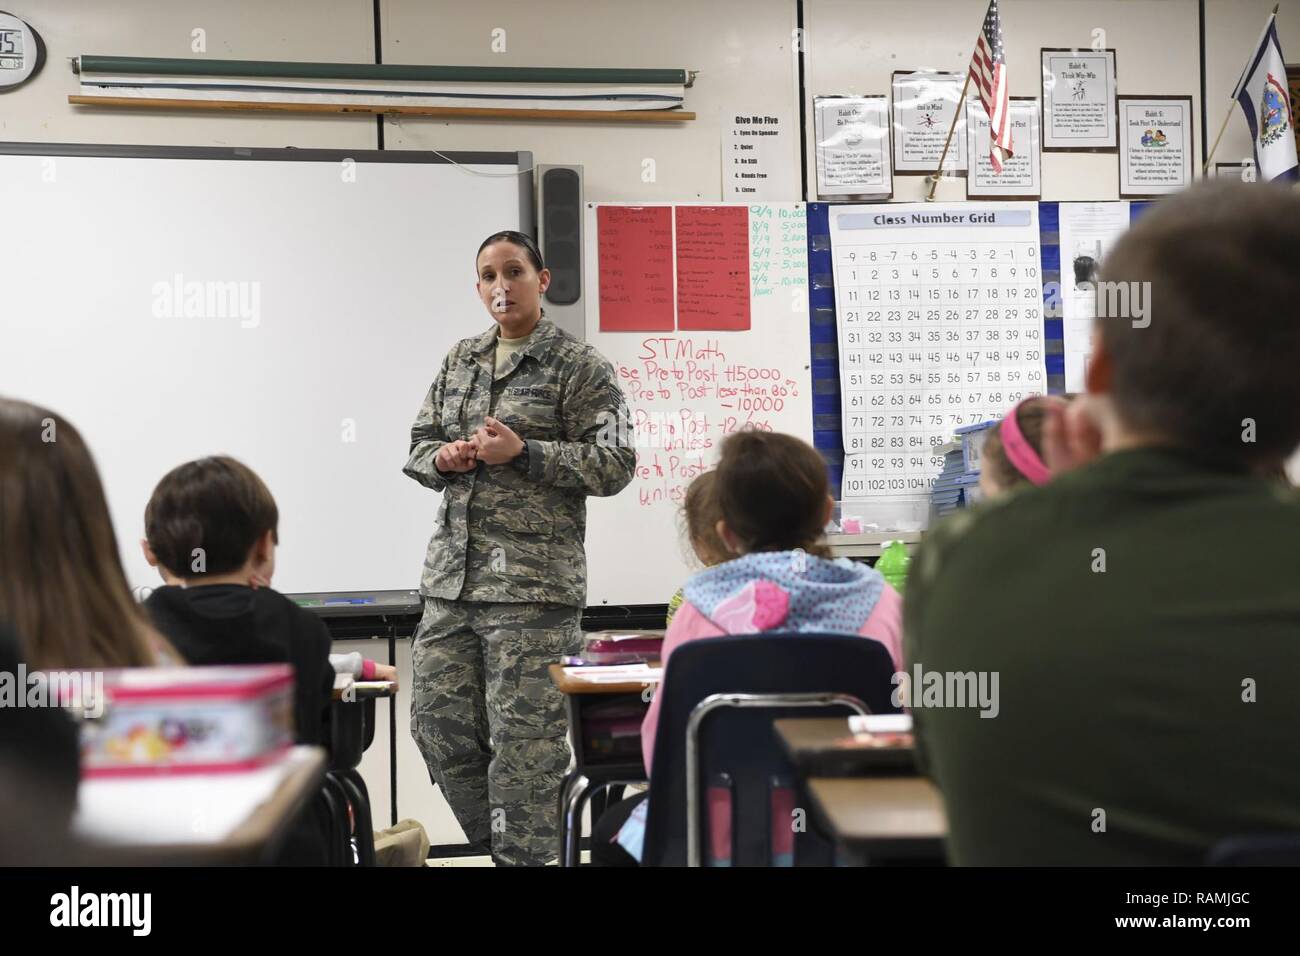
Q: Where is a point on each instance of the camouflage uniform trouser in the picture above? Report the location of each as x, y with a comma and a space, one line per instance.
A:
490, 724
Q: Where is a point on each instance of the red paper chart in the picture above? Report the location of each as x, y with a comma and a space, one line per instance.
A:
713, 268
635, 268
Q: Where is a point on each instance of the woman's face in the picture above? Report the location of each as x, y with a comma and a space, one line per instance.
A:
510, 287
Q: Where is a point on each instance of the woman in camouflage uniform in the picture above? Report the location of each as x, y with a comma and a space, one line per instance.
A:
522, 423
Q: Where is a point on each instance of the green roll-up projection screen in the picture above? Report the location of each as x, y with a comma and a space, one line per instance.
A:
177, 66
538, 91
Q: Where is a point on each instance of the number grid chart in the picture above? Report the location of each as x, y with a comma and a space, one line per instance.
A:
939, 317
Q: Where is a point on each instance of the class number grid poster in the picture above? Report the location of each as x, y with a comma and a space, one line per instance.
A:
939, 313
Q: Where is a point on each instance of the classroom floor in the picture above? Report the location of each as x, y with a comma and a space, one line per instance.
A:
480, 860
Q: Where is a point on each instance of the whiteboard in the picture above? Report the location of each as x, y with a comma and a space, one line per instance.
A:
686, 391
329, 294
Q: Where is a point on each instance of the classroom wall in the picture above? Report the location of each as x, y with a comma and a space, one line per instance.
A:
741, 48
341, 30
854, 45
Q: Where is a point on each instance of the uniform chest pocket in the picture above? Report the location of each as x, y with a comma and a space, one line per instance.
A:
530, 411
453, 414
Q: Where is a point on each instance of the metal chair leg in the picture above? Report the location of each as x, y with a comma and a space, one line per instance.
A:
340, 846
571, 821
355, 788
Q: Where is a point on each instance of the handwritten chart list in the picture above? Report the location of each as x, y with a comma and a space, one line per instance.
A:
778, 243
686, 395
713, 267
636, 268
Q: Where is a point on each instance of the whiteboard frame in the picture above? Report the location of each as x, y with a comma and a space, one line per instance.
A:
522, 158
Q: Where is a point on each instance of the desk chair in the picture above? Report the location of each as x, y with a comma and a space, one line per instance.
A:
717, 758
352, 730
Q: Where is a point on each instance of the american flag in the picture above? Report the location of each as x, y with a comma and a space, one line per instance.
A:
988, 68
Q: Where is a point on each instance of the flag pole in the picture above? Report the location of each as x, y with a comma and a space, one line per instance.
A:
934, 180
1231, 105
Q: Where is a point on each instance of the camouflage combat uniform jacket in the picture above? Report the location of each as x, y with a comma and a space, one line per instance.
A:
505, 534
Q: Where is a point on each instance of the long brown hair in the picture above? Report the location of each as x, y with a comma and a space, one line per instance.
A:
62, 586
771, 490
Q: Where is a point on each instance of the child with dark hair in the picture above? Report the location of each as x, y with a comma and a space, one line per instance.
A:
211, 526
211, 529
773, 503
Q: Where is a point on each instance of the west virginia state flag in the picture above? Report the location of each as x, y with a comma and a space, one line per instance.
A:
1262, 94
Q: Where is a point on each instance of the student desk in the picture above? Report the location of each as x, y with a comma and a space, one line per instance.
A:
596, 768
888, 818
869, 798
236, 818
825, 747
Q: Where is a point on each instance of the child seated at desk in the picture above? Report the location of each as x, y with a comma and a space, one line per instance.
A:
773, 501
211, 530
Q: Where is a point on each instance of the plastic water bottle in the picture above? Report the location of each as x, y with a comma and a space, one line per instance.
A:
892, 564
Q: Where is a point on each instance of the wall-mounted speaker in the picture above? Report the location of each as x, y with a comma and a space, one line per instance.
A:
559, 234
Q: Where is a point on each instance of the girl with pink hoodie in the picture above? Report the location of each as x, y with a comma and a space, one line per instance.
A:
772, 495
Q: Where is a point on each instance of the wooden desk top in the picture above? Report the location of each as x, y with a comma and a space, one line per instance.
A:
825, 747
870, 812
570, 686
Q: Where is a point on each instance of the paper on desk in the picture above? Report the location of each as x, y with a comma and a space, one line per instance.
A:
616, 674
881, 723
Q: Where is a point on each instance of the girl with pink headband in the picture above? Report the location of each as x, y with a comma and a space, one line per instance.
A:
1012, 454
